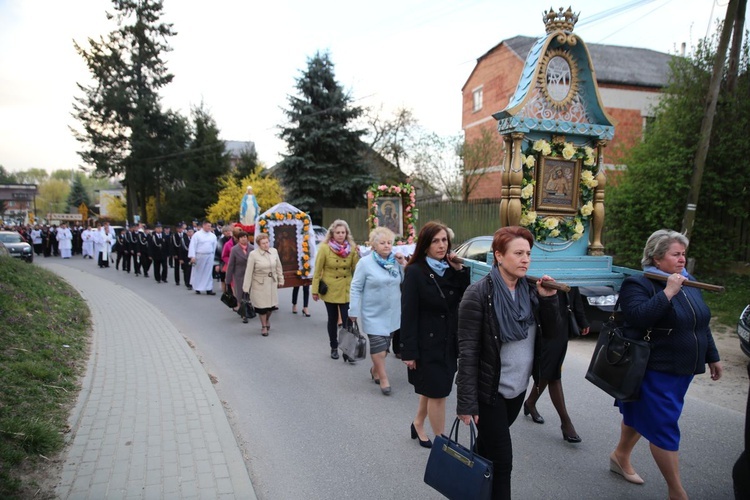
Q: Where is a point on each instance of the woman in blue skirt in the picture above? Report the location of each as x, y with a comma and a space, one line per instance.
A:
681, 346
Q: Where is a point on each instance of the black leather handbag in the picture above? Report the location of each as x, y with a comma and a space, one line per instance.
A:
246, 307
228, 297
322, 287
458, 472
619, 363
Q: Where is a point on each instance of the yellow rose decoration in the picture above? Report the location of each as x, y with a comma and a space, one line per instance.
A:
579, 228
587, 210
528, 191
554, 233
543, 147
576, 237
568, 151
528, 219
550, 222
588, 179
529, 161
590, 157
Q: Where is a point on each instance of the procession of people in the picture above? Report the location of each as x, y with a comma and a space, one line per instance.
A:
488, 339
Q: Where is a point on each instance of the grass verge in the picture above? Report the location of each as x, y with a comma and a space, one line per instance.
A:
726, 307
44, 333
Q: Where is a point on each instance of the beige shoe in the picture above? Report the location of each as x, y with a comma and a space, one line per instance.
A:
615, 467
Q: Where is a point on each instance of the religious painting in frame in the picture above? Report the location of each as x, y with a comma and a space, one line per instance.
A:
558, 185
390, 214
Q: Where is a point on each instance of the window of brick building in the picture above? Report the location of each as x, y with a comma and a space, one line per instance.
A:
477, 98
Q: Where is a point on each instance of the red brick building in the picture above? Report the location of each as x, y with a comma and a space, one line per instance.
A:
630, 81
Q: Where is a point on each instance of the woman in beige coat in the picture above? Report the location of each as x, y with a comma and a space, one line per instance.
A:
263, 277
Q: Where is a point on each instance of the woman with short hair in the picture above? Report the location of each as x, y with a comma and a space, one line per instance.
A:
263, 277
375, 300
676, 321
237, 266
334, 266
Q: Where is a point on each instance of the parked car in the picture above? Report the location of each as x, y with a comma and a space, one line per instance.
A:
599, 301
741, 470
320, 233
743, 330
16, 246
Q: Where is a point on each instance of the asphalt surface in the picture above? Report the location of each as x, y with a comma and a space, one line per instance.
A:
314, 428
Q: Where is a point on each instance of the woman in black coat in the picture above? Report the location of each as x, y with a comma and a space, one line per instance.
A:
553, 355
503, 324
432, 290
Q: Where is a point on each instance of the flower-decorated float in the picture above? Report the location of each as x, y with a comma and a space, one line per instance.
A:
393, 207
554, 131
290, 232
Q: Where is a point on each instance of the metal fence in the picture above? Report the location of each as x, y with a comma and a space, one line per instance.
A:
466, 219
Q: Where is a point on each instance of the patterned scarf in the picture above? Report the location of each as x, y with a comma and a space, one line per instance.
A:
342, 251
388, 264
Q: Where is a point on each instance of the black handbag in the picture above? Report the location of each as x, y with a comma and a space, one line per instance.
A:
322, 287
246, 307
619, 363
352, 343
458, 472
228, 297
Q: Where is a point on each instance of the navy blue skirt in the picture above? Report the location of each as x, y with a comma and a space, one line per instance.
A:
656, 413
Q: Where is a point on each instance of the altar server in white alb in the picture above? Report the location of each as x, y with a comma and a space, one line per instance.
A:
87, 249
64, 241
201, 255
103, 244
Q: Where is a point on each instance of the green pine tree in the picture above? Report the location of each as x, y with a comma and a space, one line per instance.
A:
120, 113
78, 193
322, 167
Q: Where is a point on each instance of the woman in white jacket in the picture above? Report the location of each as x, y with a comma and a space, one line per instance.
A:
375, 299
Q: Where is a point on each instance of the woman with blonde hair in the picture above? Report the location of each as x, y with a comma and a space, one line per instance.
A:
376, 299
334, 267
263, 277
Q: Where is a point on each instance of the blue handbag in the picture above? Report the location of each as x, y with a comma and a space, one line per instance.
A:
456, 472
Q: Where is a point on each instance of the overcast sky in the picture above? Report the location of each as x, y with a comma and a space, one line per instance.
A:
241, 58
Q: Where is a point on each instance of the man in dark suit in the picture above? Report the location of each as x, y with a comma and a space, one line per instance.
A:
187, 269
159, 252
131, 242
143, 254
175, 245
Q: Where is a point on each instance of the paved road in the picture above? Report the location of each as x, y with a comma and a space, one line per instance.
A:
315, 428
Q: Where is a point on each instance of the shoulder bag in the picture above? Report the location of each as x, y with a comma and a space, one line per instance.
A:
574, 329
458, 472
351, 342
619, 363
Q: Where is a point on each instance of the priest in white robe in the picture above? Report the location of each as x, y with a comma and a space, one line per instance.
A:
103, 244
201, 255
64, 241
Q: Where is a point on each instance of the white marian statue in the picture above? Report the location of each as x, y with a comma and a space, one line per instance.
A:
249, 209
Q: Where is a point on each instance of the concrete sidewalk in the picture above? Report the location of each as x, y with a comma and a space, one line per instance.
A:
148, 422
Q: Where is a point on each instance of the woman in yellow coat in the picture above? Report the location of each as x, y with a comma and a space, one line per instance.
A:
263, 277
334, 267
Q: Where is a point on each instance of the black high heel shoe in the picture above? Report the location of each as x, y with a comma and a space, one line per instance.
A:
305, 313
414, 435
570, 439
537, 419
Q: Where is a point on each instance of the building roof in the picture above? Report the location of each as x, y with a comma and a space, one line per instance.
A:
236, 148
613, 64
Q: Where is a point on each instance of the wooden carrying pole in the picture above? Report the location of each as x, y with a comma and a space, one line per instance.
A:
693, 284
552, 285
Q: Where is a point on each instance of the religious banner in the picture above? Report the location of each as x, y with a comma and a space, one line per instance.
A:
290, 232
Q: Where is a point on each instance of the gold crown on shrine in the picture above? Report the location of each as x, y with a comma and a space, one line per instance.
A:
555, 21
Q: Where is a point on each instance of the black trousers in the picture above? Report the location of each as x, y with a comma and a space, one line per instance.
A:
187, 271
333, 321
494, 441
177, 271
305, 295
160, 269
136, 263
102, 260
145, 264
125, 260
